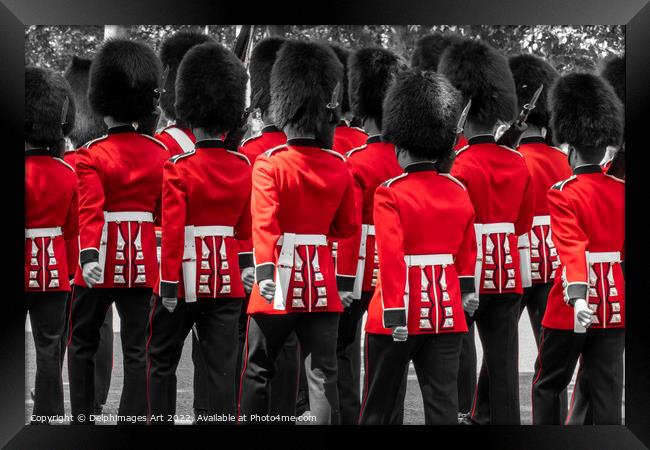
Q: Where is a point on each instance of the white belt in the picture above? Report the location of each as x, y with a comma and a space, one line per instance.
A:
366, 230
31, 233
189, 253
541, 220
603, 257
428, 260
501, 227
289, 242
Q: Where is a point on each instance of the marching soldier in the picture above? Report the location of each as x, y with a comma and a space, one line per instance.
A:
88, 126
51, 227
120, 181
371, 70
206, 206
302, 194
427, 250
585, 315
500, 188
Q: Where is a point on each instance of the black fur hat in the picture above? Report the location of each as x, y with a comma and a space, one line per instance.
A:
211, 88
124, 77
343, 55
45, 94
171, 53
371, 71
585, 113
614, 73
88, 125
421, 111
481, 74
529, 72
429, 48
302, 82
263, 56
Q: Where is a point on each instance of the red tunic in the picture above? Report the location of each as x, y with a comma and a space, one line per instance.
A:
501, 191
177, 139
370, 165
51, 222
547, 165
590, 248
426, 241
304, 193
347, 138
120, 190
207, 188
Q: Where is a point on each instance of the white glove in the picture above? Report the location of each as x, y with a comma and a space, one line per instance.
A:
582, 316
248, 278
91, 273
267, 289
170, 303
400, 334
470, 302
346, 298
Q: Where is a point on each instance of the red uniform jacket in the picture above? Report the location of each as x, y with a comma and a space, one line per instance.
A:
427, 248
120, 190
462, 142
209, 187
588, 225
501, 191
347, 138
177, 139
547, 165
301, 193
51, 222
370, 165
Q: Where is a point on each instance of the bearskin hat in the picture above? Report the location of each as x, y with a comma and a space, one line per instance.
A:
429, 48
211, 88
530, 72
262, 58
302, 82
371, 71
124, 78
421, 111
481, 74
343, 55
586, 113
45, 94
88, 125
614, 73
171, 53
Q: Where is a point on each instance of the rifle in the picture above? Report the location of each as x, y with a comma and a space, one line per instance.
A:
512, 136
149, 124
444, 164
617, 168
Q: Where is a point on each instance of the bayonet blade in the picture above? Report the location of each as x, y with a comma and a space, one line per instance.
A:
463, 118
334, 103
64, 111
533, 101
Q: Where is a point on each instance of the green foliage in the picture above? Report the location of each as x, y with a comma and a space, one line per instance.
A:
569, 48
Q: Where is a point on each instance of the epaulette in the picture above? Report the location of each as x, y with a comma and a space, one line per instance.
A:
455, 180
94, 141
249, 139
387, 183
347, 155
462, 149
511, 149
155, 140
176, 158
332, 152
560, 184
240, 155
64, 163
270, 151
615, 178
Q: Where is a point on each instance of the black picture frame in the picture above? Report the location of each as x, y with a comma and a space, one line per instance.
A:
634, 14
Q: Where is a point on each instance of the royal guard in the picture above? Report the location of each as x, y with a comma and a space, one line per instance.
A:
500, 187
424, 222
346, 135
585, 314
51, 228
371, 71
88, 126
302, 194
120, 189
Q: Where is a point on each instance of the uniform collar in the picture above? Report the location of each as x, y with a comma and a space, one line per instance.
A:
533, 140
121, 129
303, 142
587, 168
481, 139
421, 166
210, 143
37, 152
271, 129
374, 139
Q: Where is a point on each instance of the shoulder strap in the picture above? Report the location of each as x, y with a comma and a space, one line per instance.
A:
181, 138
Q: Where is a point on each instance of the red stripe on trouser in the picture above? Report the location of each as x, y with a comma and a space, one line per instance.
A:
153, 310
573, 395
70, 319
366, 378
241, 377
539, 371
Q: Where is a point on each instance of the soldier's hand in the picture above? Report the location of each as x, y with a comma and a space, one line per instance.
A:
400, 334
583, 314
470, 302
248, 278
267, 289
170, 303
346, 298
91, 273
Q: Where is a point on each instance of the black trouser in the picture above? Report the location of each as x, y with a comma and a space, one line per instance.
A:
497, 394
467, 371
103, 357
580, 412
47, 318
200, 383
216, 322
89, 306
435, 358
602, 359
265, 338
348, 376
